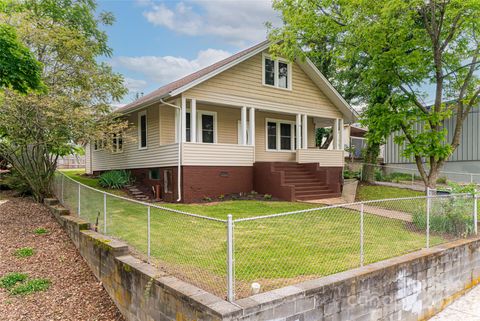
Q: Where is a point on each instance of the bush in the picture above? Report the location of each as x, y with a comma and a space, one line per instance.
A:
14, 182
447, 215
348, 174
442, 180
115, 179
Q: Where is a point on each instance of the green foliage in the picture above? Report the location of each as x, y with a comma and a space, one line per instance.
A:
321, 134
447, 215
267, 197
36, 128
388, 54
221, 197
19, 284
19, 70
31, 286
9, 280
115, 179
24, 252
461, 189
40, 231
348, 174
15, 182
442, 180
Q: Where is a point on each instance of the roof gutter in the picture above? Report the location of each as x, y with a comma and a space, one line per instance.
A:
179, 165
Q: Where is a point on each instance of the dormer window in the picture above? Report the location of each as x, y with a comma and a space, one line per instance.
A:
277, 73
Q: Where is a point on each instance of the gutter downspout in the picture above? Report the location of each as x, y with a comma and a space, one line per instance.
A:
179, 166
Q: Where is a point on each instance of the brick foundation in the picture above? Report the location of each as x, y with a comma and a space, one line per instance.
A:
211, 181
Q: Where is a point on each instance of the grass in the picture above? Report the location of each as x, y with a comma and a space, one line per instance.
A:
376, 192
19, 284
24, 252
79, 176
278, 249
40, 231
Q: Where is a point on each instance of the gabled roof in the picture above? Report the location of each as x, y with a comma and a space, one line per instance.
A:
187, 82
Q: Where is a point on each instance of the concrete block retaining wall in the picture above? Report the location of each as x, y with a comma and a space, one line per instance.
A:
411, 287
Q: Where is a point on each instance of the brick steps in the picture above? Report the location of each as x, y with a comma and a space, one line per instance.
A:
307, 186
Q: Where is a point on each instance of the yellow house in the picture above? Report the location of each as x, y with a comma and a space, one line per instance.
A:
244, 123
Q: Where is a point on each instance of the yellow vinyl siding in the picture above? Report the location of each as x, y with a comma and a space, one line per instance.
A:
261, 154
131, 157
227, 122
217, 155
167, 125
242, 84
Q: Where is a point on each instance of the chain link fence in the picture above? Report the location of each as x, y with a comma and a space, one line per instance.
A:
235, 258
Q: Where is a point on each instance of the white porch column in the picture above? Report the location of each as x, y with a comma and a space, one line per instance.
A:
299, 131
183, 125
251, 126
340, 134
193, 120
244, 126
335, 133
304, 131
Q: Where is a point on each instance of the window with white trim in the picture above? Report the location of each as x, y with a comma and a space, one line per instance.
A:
142, 130
207, 127
277, 73
280, 135
99, 144
117, 143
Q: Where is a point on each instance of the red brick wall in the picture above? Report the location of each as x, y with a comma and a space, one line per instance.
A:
268, 182
213, 181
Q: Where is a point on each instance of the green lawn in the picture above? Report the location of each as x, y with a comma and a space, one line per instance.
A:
274, 251
375, 192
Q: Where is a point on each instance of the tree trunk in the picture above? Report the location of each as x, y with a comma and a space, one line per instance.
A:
371, 157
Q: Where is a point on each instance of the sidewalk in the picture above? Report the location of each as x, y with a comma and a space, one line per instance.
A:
466, 308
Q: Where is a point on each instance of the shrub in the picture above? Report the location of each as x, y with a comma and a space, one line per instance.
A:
40, 231
442, 180
115, 179
267, 197
9, 280
348, 174
14, 182
24, 252
221, 197
31, 286
447, 215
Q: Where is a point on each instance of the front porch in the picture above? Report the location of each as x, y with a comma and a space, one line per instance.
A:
213, 134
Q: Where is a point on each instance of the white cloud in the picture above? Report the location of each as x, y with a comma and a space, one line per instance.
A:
164, 69
135, 85
236, 22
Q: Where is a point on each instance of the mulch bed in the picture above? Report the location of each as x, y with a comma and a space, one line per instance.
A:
75, 294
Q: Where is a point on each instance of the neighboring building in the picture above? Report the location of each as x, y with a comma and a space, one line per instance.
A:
71, 161
465, 159
245, 123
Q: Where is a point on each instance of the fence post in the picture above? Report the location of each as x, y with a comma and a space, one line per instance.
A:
361, 172
475, 212
362, 257
148, 233
79, 201
104, 213
63, 179
230, 269
428, 217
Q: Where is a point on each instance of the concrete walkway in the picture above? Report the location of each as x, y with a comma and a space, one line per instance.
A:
466, 308
398, 215
382, 212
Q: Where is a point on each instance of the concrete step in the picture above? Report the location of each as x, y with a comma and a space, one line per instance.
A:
317, 196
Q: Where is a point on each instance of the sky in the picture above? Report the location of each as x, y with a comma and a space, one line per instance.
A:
156, 42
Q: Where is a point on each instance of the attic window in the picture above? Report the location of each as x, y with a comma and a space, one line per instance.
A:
277, 73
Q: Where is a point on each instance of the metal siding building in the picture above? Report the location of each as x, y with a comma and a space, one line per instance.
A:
466, 158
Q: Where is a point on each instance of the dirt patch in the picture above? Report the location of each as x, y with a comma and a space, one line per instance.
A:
74, 294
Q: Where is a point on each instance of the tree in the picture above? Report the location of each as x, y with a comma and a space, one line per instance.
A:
403, 47
18, 68
38, 127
